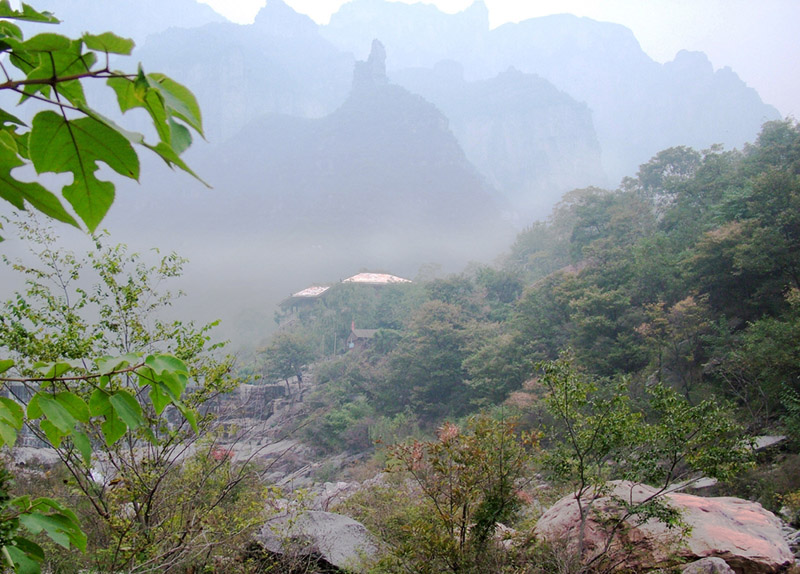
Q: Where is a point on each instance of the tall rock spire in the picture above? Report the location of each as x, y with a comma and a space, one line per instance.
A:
373, 71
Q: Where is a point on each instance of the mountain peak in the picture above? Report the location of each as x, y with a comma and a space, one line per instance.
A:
373, 70
281, 19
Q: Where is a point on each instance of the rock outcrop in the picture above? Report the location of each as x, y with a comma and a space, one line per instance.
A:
742, 533
530, 140
331, 539
711, 565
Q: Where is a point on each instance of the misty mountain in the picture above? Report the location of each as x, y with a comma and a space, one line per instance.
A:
279, 64
384, 163
533, 134
136, 20
639, 106
531, 140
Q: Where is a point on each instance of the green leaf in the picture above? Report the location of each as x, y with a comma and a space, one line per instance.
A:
130, 93
8, 434
75, 405
99, 404
84, 446
45, 503
174, 384
175, 137
108, 364
180, 136
133, 137
8, 140
146, 376
9, 29
138, 94
27, 13
56, 413
47, 43
60, 527
6, 118
11, 412
60, 146
23, 562
189, 414
109, 42
179, 100
166, 364
113, 428
30, 548
159, 398
34, 411
5, 364
127, 408
18, 193
52, 432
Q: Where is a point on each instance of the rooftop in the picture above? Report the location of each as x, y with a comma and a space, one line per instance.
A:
375, 279
314, 291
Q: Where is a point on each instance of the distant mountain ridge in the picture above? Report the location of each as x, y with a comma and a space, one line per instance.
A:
381, 178
589, 105
324, 161
535, 143
285, 63
384, 160
639, 107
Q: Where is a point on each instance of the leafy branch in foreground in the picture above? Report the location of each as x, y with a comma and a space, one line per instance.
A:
59, 389
68, 419
89, 368
71, 136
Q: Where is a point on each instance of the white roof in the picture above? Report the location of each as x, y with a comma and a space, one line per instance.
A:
375, 279
314, 291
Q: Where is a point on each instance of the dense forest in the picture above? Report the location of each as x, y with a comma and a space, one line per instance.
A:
678, 290
686, 275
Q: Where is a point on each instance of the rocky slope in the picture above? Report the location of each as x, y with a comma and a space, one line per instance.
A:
532, 141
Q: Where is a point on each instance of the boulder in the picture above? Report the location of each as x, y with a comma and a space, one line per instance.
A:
710, 565
742, 533
329, 538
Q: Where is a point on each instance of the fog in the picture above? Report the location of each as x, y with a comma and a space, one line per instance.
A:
328, 154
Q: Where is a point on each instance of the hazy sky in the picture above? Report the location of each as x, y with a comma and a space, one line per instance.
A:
757, 38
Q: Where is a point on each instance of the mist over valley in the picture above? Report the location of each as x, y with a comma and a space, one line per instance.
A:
357, 145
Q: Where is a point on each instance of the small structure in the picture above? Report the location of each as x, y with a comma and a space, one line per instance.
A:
375, 279
300, 301
307, 296
359, 337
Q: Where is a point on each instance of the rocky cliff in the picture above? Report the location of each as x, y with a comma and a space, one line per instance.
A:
532, 141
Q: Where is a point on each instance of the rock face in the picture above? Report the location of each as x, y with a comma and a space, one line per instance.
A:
338, 540
711, 565
382, 176
639, 106
530, 140
743, 534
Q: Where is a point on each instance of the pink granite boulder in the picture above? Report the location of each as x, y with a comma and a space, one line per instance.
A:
742, 533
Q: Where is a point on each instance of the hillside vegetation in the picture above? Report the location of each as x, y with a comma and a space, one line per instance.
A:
686, 275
